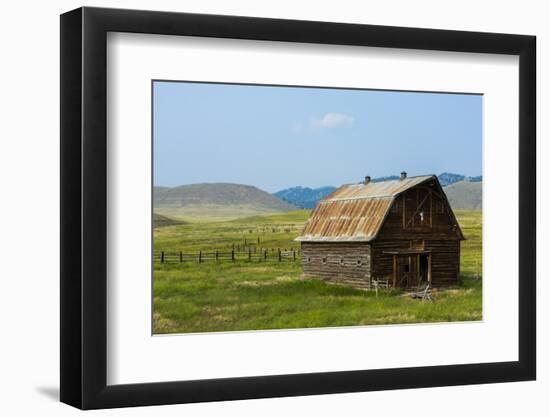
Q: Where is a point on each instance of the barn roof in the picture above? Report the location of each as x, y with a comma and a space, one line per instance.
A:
382, 189
355, 212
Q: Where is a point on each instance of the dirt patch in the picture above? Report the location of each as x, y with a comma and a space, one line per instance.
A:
216, 314
456, 292
391, 319
255, 269
162, 324
265, 282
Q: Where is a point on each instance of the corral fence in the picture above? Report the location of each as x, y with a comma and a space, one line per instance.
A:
252, 254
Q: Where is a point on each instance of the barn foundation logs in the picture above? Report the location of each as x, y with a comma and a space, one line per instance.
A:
340, 263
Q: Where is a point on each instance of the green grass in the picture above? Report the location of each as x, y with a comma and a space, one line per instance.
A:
163, 221
212, 212
242, 295
274, 231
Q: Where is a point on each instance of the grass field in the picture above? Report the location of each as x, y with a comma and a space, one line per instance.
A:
242, 295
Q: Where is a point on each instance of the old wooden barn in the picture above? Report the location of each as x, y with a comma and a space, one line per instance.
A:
401, 231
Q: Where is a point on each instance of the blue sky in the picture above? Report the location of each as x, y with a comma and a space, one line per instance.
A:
280, 137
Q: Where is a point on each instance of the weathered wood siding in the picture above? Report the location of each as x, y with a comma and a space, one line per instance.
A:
346, 263
382, 264
445, 259
436, 231
403, 220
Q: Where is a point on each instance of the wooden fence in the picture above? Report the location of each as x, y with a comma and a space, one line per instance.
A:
260, 255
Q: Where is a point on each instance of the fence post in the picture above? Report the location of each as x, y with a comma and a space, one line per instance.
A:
162, 257
216, 256
293, 254
233, 254
200, 256
181, 257
265, 254
279, 251
258, 240
249, 254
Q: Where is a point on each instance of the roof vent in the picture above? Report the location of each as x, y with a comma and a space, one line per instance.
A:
403, 175
367, 179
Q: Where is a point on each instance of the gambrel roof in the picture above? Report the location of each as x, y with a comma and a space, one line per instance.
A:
356, 212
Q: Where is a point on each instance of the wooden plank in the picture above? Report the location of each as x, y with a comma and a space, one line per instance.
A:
431, 209
418, 206
394, 270
430, 269
340, 263
404, 198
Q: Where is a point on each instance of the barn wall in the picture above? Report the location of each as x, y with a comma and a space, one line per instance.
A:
435, 209
437, 232
382, 264
445, 259
341, 262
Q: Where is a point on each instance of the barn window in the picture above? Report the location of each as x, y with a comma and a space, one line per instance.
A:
324, 260
416, 244
406, 268
308, 259
359, 262
341, 260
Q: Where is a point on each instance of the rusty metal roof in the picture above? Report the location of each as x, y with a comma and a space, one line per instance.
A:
355, 212
377, 189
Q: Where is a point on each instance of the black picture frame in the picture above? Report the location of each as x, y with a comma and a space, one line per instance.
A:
84, 207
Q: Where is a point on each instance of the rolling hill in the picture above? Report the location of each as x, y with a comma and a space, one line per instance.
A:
160, 221
225, 201
465, 195
215, 201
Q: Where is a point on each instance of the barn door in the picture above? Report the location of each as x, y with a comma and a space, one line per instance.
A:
406, 271
424, 268
410, 270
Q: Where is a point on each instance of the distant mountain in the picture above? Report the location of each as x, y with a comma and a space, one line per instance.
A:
304, 197
213, 201
465, 195
447, 178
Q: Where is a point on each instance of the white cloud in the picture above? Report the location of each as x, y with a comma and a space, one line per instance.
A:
332, 120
